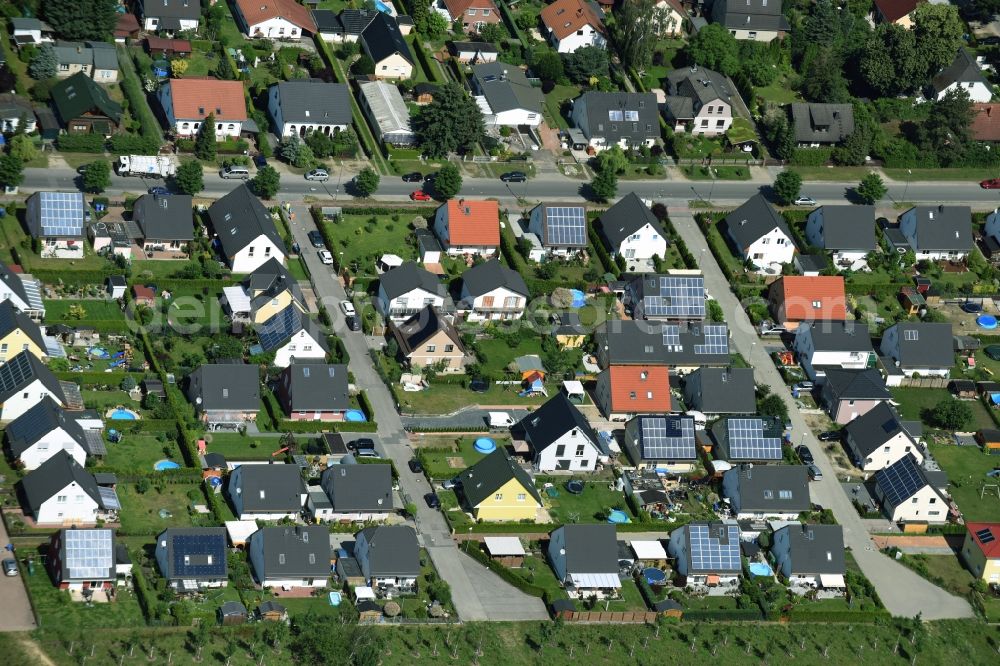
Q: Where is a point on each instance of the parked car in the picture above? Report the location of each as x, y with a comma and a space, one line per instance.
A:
814, 473
319, 175
829, 436
325, 257
367, 453
433, 501
479, 385
414, 177
316, 238
451, 484
159, 191
10, 567
419, 195
415, 466
353, 323
348, 308
805, 201
804, 386
361, 443
259, 161
990, 184
514, 177
805, 455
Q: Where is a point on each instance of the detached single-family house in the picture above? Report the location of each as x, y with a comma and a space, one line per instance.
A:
630, 229
427, 339
245, 230
383, 42
815, 124
938, 233
225, 395
848, 394
585, 560
314, 392
355, 493
301, 106
924, 349
505, 96
682, 347
847, 232
266, 292
98, 60
267, 491
798, 299
27, 30
574, 24
14, 110
713, 391
906, 494
406, 290
624, 391
706, 553
169, 15
810, 555
18, 333
387, 112
474, 14
23, 292
662, 443
965, 74
290, 557
981, 551
879, 439
85, 560
561, 228
623, 119
700, 101
292, 336
748, 439
42, 432
466, 226
669, 16
188, 102
899, 12
833, 344
193, 558
767, 492
759, 233
346, 26
676, 297
560, 437
753, 20
25, 382
166, 224
498, 489
56, 219
60, 492
389, 557
83, 107
273, 19
491, 291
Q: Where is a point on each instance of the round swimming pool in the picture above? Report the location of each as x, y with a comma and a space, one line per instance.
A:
485, 445
618, 517
164, 464
122, 414
654, 576
989, 322
579, 298
355, 416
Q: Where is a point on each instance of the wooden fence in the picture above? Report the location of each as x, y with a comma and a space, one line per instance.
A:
616, 617
924, 382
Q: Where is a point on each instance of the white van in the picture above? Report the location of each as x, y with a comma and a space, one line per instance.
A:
235, 171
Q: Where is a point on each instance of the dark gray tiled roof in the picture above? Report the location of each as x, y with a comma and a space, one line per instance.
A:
699, 84
591, 549
23, 369
753, 220
12, 281
381, 38
849, 227
767, 488
239, 218
269, 488
925, 345
846, 336
52, 476
225, 386
354, 21
606, 116
490, 275
554, 419
963, 69
40, 420
271, 279
750, 15
414, 331
302, 551
314, 101
506, 87
942, 228
194, 552
12, 319
864, 384
822, 123
874, 428
176, 9
393, 551
631, 342
317, 386
327, 21
816, 549
489, 474
358, 488
624, 218
722, 390
165, 217
407, 277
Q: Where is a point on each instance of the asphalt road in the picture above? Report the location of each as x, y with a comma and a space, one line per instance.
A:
16, 615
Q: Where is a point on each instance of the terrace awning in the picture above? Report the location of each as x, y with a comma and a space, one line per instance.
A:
832, 580
501, 546
596, 580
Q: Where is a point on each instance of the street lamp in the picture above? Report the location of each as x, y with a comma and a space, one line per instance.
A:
909, 172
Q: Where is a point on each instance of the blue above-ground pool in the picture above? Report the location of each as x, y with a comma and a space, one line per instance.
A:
579, 298
355, 416
162, 465
654, 576
989, 322
618, 517
760, 569
99, 352
121, 414
485, 445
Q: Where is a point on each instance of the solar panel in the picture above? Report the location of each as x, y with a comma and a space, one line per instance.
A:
89, 554
900, 480
672, 337
985, 535
716, 340
710, 551
679, 297
667, 438
61, 213
631, 116
615, 115
566, 225
200, 555
276, 331
747, 441
109, 499
16, 372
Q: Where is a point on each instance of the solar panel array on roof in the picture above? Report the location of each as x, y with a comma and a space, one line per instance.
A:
900, 481
709, 553
667, 438
680, 296
15, 373
89, 553
278, 329
985, 536
748, 442
61, 213
716, 340
672, 337
566, 225
109, 499
201, 555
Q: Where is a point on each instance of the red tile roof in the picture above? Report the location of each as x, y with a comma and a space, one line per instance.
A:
162, 44
991, 549
640, 388
458, 7
257, 11
986, 122
812, 298
127, 25
196, 97
564, 17
473, 223
893, 10
143, 293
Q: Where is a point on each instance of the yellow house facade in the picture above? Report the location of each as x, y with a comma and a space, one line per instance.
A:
498, 489
18, 333
981, 551
269, 308
511, 502
17, 341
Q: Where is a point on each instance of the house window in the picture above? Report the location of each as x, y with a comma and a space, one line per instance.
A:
487, 301
752, 35
704, 122
486, 12
307, 348
510, 302
231, 127
250, 251
267, 251
3, 348
60, 499
498, 497
521, 497
449, 348
710, 108
579, 450
560, 450
471, 12
780, 241
631, 395
719, 124
63, 68
185, 125
431, 349
219, 127
584, 463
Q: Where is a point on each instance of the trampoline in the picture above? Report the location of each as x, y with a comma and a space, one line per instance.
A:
163, 465
485, 445
760, 569
988, 322
579, 298
355, 416
618, 517
654, 576
575, 486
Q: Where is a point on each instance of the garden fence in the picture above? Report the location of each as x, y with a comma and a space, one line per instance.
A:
609, 617
924, 382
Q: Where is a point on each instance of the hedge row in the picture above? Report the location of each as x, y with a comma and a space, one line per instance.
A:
138, 103
80, 143
811, 156
366, 405
854, 617
418, 48
71, 276
98, 378
724, 615
145, 598
602, 253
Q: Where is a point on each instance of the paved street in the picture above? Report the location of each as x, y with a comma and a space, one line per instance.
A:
471, 418
16, 615
902, 591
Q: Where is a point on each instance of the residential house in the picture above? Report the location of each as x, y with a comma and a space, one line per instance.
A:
899, 12
880, 438
474, 53
834, 344
82, 107
314, 392
169, 15
29, 31
754, 20
42, 432
56, 220
767, 492
560, 437
429, 340
406, 290
193, 558
717, 391
290, 557
748, 439
383, 42
505, 96
682, 347
98, 60
356, 493
848, 394
14, 110
574, 24
25, 382
623, 391
23, 292
797, 299
937, 233
18, 333
561, 228
700, 101
245, 230
672, 297
267, 492
491, 291
629, 229
300, 106
266, 292
465, 226
981, 551
161, 47
759, 233
924, 349
965, 74
166, 224
329, 26
84, 560
568, 330
498, 489
126, 27
585, 560
810, 555
474, 14
847, 232
706, 553
670, 16
188, 102
389, 557
273, 19
662, 443
387, 112
60, 492
292, 336
623, 119
815, 124
225, 395
907, 496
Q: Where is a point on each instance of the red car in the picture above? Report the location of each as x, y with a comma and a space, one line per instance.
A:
991, 184
419, 195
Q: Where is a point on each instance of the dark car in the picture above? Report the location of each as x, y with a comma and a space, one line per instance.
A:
805, 455
353, 323
514, 177
429, 178
829, 436
479, 385
159, 191
316, 238
259, 161
415, 466
414, 177
433, 501
363, 443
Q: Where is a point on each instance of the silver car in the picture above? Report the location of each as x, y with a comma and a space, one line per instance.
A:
319, 175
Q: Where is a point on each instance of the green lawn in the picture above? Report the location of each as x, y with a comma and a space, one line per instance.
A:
592, 505
717, 173
102, 400
201, 64
536, 570
715, 239
436, 461
914, 403
943, 570
966, 467
778, 92
496, 354
554, 104
93, 310
832, 173
447, 397
296, 268
971, 174
56, 610
138, 453
364, 238
237, 447
140, 511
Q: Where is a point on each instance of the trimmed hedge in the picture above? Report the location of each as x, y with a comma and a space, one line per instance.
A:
98, 378
72, 276
418, 48
80, 143
724, 614
811, 156
856, 617
602, 253
366, 405
138, 103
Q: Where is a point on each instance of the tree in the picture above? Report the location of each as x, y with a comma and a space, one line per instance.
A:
363, 65
178, 66
11, 171
448, 181
493, 32
434, 26
946, 133
190, 178
586, 64
97, 176
366, 182
613, 159
547, 65
451, 122
890, 62
823, 77
778, 132
319, 143
604, 186
635, 31
81, 19
296, 152
44, 64
871, 188
22, 147
951, 414
938, 29
205, 147
266, 183
787, 186
714, 47
773, 405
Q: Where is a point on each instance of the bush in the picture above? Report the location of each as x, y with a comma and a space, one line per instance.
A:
811, 156
80, 143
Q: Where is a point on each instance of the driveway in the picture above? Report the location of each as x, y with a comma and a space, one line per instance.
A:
16, 615
472, 418
902, 591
